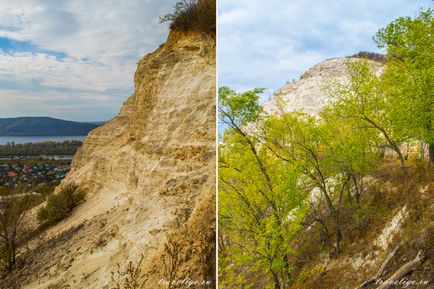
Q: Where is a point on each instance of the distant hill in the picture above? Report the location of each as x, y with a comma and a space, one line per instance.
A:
43, 126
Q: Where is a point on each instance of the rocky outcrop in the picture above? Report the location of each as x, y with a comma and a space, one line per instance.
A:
309, 94
149, 175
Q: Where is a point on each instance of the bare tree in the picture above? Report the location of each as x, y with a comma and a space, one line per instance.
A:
14, 206
129, 277
171, 260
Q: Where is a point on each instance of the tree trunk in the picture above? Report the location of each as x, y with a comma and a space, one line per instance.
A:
403, 270
335, 215
431, 153
338, 237
350, 197
14, 254
396, 148
422, 151
286, 274
221, 242
325, 235
404, 176
10, 262
380, 271
276, 280
358, 190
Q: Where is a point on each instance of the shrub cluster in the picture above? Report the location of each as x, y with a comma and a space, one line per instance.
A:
371, 55
60, 205
193, 15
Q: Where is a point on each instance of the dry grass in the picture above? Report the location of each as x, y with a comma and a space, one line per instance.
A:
380, 202
129, 277
193, 15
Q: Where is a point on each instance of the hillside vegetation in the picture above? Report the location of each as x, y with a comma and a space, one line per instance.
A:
342, 198
193, 15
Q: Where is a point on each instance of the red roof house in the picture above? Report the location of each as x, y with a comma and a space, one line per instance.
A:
12, 174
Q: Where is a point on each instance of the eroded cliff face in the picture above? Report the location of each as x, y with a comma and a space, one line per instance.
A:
149, 175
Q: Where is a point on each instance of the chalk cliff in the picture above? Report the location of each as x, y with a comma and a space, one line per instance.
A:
308, 93
149, 175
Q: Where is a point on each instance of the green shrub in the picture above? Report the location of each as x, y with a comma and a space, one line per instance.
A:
60, 205
193, 15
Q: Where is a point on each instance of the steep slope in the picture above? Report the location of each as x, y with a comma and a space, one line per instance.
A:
149, 175
307, 94
43, 126
388, 239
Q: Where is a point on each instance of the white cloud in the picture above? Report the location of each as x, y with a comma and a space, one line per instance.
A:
102, 41
49, 72
83, 106
264, 43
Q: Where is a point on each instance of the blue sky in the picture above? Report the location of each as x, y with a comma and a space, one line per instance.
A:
74, 59
265, 43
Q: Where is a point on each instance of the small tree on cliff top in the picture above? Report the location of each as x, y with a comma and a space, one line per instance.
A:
193, 15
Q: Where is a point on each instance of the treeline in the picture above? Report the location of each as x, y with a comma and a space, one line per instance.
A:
42, 148
283, 172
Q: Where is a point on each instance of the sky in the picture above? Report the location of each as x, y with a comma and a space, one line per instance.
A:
74, 59
265, 43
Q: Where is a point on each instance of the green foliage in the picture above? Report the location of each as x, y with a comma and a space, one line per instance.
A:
237, 109
362, 100
408, 78
282, 172
398, 104
44, 189
261, 207
409, 39
379, 103
351, 147
193, 15
368, 101
60, 205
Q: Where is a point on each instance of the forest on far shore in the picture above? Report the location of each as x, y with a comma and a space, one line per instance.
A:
42, 148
